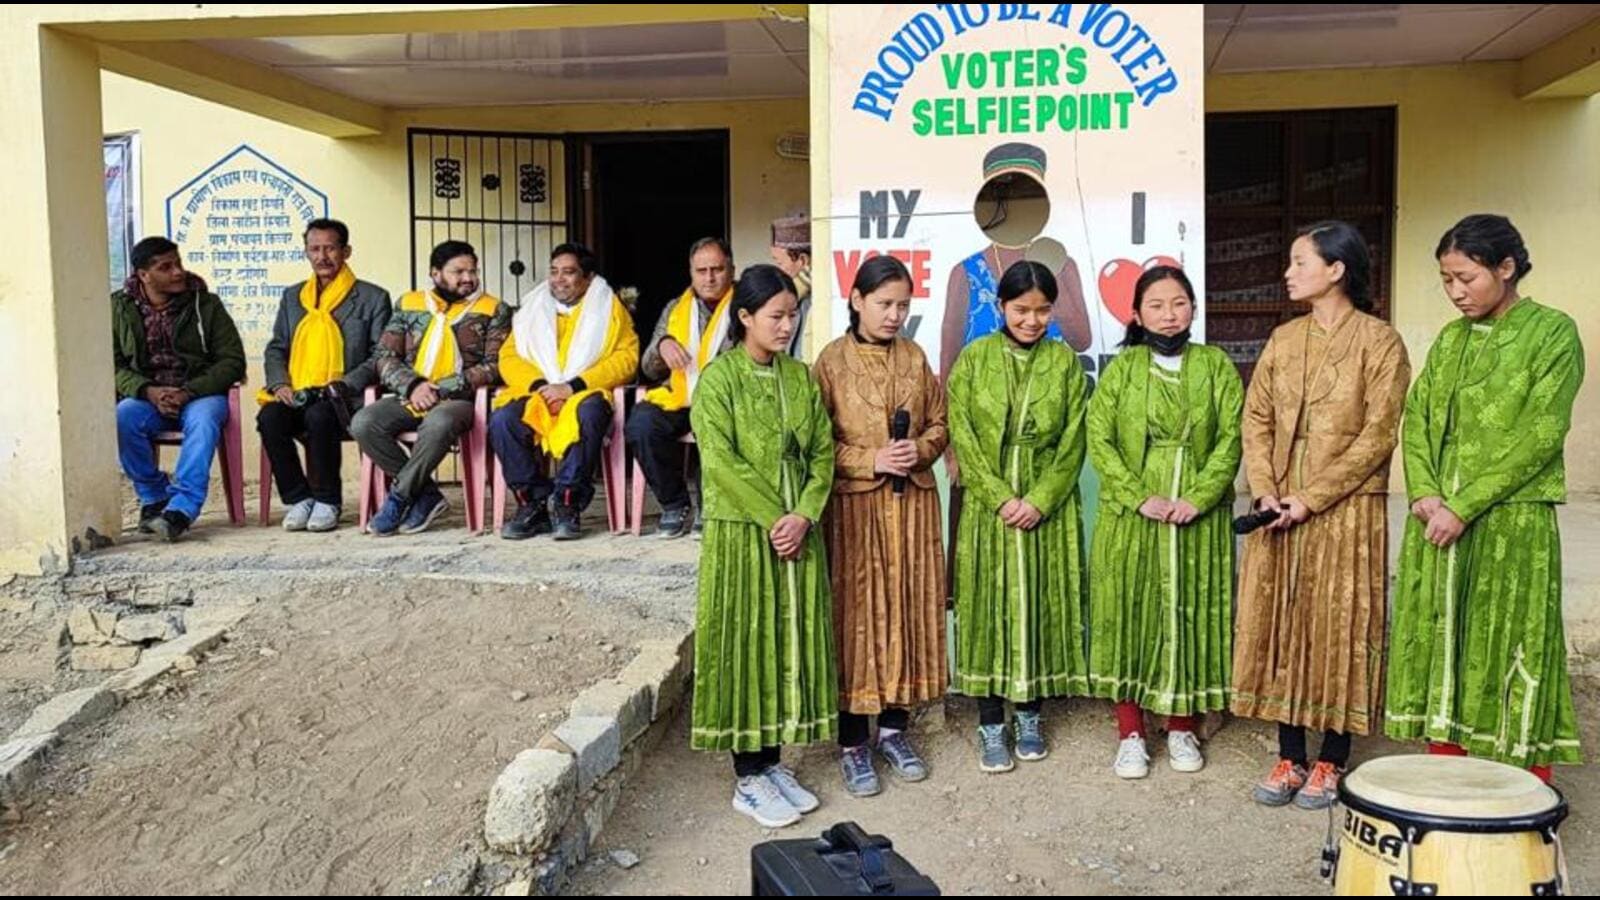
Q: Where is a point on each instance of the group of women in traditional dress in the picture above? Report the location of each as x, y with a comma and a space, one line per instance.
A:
823, 577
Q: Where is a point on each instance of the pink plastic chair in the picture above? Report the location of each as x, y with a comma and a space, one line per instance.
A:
472, 454
613, 469
230, 454
638, 476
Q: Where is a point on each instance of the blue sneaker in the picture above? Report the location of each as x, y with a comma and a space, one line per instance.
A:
429, 505
1030, 737
390, 515
902, 759
993, 754
859, 778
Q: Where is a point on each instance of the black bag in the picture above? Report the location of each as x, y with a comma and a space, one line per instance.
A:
845, 861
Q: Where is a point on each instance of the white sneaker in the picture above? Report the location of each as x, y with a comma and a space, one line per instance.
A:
1132, 760
1183, 752
324, 517
757, 797
297, 515
801, 799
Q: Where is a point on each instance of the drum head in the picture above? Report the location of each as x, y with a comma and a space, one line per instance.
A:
1454, 786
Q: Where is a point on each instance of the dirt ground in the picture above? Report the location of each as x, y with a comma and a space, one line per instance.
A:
336, 745
344, 740
1062, 826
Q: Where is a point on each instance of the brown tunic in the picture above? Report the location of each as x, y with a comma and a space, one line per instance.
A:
885, 552
1322, 417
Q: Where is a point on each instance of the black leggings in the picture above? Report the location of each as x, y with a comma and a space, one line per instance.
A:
853, 731
1292, 746
746, 765
992, 710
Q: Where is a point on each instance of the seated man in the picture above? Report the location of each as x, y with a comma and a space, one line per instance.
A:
692, 330
177, 353
318, 362
438, 349
572, 342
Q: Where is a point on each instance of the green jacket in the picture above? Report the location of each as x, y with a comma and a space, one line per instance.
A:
1119, 422
765, 450
985, 421
1512, 416
204, 337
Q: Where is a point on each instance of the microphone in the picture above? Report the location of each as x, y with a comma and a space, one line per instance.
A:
898, 432
1251, 521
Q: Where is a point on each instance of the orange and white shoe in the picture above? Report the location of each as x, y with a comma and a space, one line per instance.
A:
1286, 780
1321, 789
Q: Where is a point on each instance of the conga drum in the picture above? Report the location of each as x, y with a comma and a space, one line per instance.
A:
1425, 826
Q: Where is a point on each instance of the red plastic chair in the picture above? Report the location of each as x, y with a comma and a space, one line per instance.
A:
230, 454
638, 475
472, 454
613, 469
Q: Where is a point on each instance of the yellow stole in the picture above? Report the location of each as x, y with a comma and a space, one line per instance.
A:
677, 393
316, 352
438, 356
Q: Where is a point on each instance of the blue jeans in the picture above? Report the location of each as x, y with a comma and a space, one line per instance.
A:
201, 421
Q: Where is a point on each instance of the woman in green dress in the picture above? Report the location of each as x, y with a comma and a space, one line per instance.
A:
1164, 438
1016, 407
764, 656
1477, 654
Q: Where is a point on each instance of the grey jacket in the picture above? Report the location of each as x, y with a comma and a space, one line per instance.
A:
361, 317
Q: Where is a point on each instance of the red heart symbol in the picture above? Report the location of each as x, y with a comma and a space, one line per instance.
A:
1154, 261
1117, 279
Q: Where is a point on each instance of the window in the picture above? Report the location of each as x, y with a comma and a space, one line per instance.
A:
1269, 174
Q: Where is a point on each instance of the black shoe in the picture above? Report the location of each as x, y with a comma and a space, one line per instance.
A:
170, 525
674, 523
532, 519
566, 524
149, 513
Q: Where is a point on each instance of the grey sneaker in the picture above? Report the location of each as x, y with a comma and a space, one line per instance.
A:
324, 517
1030, 737
993, 754
859, 778
674, 523
902, 759
783, 779
757, 797
298, 515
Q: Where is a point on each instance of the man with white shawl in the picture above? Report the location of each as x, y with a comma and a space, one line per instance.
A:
572, 342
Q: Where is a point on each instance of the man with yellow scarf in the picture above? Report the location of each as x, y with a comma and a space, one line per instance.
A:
572, 342
690, 333
320, 358
440, 346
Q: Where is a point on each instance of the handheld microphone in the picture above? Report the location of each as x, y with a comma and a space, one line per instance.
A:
1251, 521
898, 432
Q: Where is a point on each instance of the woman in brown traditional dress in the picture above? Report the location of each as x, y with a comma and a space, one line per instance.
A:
1322, 417
883, 525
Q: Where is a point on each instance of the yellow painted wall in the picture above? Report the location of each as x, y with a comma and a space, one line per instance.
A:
53, 495
366, 178
1466, 144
